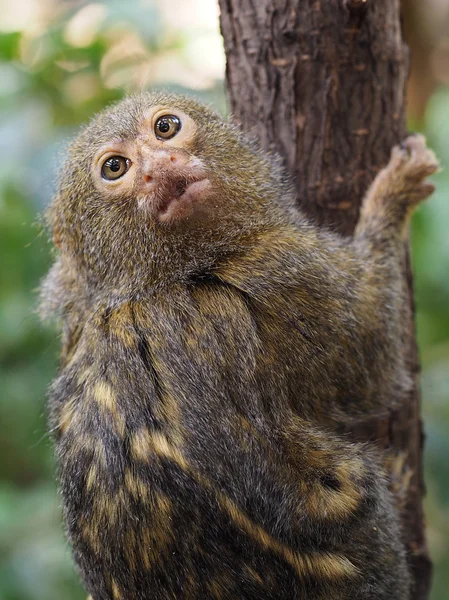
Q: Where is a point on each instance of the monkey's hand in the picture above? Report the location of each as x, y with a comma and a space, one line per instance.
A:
399, 187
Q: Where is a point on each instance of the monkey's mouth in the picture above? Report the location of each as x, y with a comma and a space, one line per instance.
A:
180, 199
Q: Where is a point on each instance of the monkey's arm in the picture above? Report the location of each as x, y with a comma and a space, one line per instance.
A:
343, 298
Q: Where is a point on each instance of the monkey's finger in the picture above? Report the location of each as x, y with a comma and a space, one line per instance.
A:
423, 191
415, 143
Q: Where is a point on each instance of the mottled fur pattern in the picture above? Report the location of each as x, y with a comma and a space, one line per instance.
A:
204, 369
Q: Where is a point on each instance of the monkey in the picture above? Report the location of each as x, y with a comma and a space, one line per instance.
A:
212, 340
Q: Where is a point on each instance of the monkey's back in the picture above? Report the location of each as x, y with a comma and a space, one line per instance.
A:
171, 487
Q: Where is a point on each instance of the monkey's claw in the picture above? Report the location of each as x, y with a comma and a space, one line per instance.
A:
410, 164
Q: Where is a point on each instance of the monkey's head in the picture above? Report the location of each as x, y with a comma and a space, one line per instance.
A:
157, 188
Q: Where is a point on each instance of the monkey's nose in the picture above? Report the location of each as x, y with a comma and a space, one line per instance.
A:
159, 164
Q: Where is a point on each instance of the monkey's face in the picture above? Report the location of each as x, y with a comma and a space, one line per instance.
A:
158, 167
158, 183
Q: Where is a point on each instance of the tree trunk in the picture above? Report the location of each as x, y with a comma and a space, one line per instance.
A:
323, 84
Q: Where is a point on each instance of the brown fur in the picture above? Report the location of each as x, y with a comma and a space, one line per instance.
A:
208, 356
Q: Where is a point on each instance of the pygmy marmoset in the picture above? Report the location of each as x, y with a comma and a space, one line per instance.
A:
212, 339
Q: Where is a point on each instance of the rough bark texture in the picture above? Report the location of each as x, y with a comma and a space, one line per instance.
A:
323, 84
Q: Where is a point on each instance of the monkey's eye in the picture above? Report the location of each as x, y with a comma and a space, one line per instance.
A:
115, 167
167, 127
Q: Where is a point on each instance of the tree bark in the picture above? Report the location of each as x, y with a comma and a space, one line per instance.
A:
323, 84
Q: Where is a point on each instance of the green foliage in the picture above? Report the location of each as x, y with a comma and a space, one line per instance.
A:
51, 82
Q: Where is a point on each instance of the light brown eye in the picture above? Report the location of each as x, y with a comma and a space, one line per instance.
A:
115, 167
167, 127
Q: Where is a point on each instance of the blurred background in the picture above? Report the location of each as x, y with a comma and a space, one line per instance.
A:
60, 62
